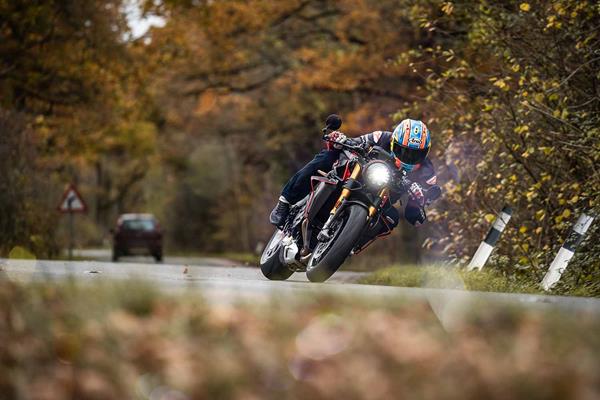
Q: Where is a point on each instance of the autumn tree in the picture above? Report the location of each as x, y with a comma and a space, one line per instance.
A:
70, 98
259, 77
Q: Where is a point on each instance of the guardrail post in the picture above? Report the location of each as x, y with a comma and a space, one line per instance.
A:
566, 252
487, 245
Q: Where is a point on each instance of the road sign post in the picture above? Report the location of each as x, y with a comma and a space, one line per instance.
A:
487, 245
566, 252
71, 203
71, 228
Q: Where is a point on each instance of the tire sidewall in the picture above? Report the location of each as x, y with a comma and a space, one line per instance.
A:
341, 248
272, 267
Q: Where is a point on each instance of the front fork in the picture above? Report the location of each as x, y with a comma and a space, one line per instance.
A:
324, 234
383, 193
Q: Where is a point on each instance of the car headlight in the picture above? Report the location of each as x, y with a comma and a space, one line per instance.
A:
377, 174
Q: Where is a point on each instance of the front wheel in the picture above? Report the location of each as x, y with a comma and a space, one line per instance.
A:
270, 262
328, 256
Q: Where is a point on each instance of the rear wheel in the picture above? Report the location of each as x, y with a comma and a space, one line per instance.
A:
328, 256
270, 262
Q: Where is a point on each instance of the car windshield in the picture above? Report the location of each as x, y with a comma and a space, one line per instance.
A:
138, 224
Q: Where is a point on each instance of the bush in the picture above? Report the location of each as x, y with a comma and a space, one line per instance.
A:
510, 92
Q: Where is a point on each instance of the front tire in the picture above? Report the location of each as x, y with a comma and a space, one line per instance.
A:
270, 261
344, 239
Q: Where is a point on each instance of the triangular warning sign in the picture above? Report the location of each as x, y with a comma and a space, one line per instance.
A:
72, 201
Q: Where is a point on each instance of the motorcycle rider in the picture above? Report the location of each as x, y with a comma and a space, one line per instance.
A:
410, 143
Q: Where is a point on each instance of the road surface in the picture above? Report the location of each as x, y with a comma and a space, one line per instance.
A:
106, 255
221, 282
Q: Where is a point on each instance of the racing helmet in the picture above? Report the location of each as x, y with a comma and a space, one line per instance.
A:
411, 143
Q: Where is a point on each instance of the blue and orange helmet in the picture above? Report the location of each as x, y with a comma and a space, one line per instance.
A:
411, 143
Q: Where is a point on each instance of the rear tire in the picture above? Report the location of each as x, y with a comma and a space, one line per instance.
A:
270, 261
333, 258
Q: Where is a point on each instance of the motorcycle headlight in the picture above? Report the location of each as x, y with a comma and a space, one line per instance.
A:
377, 174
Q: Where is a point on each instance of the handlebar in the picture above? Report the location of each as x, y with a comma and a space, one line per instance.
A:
363, 152
401, 180
358, 149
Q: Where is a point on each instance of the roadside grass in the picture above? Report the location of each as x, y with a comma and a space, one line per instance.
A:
127, 340
487, 280
244, 258
239, 257
63, 257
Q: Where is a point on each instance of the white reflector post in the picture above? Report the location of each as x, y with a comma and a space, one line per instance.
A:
566, 252
485, 248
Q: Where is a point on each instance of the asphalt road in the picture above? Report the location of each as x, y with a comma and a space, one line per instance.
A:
106, 255
219, 281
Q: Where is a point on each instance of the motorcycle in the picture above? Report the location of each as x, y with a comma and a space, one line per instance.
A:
341, 213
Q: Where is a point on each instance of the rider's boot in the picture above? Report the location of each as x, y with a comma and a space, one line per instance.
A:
280, 212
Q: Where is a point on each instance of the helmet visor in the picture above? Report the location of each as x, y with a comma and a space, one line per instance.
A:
410, 156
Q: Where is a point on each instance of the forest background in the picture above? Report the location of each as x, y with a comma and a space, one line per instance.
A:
201, 120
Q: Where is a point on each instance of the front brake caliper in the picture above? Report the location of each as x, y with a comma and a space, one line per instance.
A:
324, 234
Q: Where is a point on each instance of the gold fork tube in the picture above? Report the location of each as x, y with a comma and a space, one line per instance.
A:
382, 193
345, 191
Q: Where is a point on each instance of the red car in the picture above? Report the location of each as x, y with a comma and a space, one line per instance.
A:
137, 234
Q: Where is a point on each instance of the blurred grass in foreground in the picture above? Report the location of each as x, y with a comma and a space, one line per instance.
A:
128, 341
